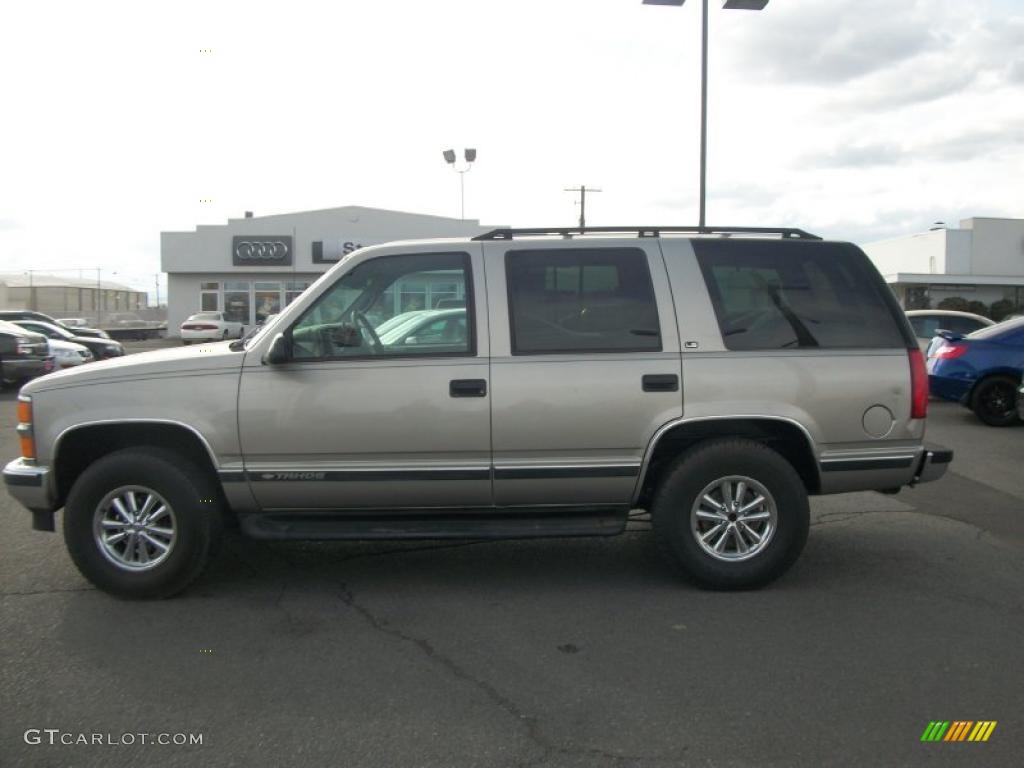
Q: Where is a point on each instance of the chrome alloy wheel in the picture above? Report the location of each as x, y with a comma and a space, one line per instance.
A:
134, 528
733, 518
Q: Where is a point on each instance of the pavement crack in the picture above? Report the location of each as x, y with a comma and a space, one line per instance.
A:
451, 667
530, 723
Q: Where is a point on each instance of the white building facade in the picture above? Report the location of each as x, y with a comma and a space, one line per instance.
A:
254, 266
982, 260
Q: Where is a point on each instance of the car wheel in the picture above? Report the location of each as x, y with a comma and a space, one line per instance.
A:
225, 334
186, 342
995, 401
731, 514
142, 523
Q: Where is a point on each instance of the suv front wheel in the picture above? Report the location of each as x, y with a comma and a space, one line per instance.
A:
142, 523
731, 513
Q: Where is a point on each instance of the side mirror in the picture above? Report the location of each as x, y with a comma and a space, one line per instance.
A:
280, 351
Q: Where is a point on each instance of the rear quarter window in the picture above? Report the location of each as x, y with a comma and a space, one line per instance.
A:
798, 295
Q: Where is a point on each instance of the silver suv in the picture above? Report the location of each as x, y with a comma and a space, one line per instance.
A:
715, 379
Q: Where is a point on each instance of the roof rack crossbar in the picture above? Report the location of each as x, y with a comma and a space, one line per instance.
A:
509, 233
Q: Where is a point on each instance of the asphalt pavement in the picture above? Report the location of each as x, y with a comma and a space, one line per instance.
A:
588, 652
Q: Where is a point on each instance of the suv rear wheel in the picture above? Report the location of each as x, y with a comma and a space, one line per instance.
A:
142, 523
732, 514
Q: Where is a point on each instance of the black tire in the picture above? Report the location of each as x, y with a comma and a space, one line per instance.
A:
684, 482
995, 401
186, 342
225, 334
188, 490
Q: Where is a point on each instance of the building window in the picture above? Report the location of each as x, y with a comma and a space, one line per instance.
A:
268, 300
236, 301
292, 291
209, 297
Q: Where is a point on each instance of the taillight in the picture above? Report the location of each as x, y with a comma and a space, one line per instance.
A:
24, 428
918, 384
949, 351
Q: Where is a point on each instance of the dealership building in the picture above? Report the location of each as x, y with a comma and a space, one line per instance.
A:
253, 266
981, 260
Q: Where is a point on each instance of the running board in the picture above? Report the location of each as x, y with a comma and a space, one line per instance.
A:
454, 524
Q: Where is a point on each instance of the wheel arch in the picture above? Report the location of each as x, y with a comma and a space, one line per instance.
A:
786, 436
79, 446
1011, 373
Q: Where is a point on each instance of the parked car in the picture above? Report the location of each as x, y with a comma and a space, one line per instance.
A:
716, 382
210, 326
928, 322
435, 326
73, 322
101, 349
67, 354
23, 355
12, 315
981, 370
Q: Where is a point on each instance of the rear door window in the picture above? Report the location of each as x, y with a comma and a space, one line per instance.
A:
581, 300
798, 295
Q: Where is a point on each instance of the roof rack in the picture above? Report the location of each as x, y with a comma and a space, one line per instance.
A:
568, 232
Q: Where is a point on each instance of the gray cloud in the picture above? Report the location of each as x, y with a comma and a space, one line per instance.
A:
883, 54
962, 147
830, 43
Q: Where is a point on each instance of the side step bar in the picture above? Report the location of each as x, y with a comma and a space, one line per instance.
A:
454, 524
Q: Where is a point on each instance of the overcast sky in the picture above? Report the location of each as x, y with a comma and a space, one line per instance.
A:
856, 119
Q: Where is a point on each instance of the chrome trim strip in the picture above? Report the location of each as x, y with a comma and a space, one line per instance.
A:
684, 420
554, 472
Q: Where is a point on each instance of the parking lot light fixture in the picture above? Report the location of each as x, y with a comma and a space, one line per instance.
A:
470, 158
739, 5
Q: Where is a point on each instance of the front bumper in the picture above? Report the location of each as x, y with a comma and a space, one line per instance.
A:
934, 462
32, 487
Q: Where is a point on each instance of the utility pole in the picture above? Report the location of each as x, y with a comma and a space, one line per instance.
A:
582, 189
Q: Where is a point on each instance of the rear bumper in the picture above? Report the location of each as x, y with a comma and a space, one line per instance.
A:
20, 369
933, 464
32, 487
949, 388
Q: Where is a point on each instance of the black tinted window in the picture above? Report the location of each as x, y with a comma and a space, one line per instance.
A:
585, 300
785, 295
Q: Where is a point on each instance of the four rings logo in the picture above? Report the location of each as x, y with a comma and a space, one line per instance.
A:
253, 251
292, 475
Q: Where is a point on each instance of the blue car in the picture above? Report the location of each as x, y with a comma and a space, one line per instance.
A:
981, 370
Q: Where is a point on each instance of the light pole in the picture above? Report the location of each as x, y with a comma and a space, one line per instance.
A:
739, 5
470, 156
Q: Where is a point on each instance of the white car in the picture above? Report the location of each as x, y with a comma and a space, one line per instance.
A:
928, 322
210, 326
74, 322
67, 354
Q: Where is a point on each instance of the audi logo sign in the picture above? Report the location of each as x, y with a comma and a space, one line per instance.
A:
264, 250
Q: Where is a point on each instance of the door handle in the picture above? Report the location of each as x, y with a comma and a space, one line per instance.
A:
467, 388
660, 382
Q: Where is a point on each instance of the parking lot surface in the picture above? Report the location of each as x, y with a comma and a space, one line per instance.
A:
588, 652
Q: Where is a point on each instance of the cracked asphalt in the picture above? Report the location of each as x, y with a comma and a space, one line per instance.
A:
586, 652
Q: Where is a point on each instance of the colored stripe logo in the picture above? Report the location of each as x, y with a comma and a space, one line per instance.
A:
958, 730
